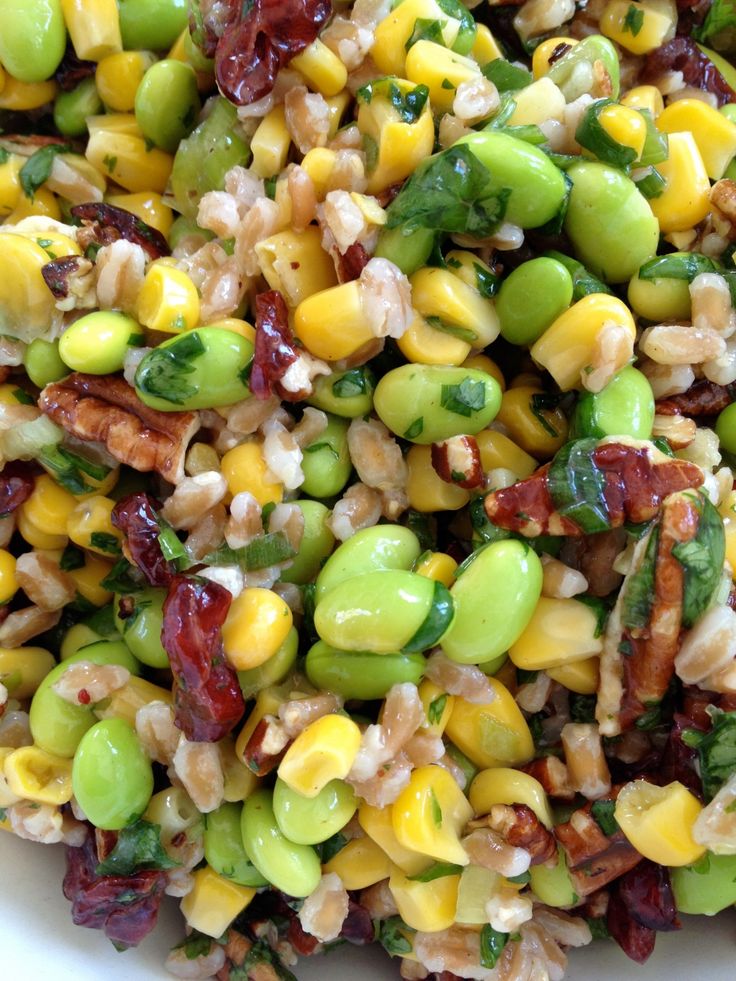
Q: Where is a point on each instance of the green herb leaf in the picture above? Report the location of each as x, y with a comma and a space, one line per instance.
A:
436, 708
464, 399
195, 945
602, 813
507, 77
462, 333
582, 707
71, 558
437, 871
270, 549
702, 559
123, 578
352, 383
105, 542
601, 610
436, 809
425, 29
37, 169
409, 106
423, 527
486, 282
577, 487
541, 402
138, 847
23, 397
492, 943
171, 547
164, 371
591, 135
686, 266
639, 587
583, 282
328, 849
717, 751
260, 953
523, 879
69, 469
634, 20
598, 927
651, 184
110, 163
721, 17
391, 936
415, 429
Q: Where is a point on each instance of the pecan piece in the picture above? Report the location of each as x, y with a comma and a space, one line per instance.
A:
351, 262
457, 461
519, 826
723, 199
594, 858
703, 398
107, 410
59, 273
265, 749
552, 773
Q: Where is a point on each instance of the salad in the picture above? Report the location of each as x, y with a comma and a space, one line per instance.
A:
367, 509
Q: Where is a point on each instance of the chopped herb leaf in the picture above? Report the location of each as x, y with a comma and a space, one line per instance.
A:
391, 935
171, 547
123, 578
492, 943
462, 333
447, 84
598, 928
721, 18
328, 849
165, 371
195, 945
138, 847
602, 813
23, 397
436, 708
639, 587
270, 549
71, 558
539, 404
686, 266
322, 445
69, 469
591, 134
423, 527
577, 487
582, 707
486, 282
702, 559
716, 750
352, 383
105, 542
37, 169
464, 399
522, 879
425, 29
415, 429
436, 809
507, 77
634, 20
600, 609
437, 871
110, 163
409, 106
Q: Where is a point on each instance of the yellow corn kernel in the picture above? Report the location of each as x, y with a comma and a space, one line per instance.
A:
332, 324
395, 30
114, 122
472, 271
55, 246
427, 906
7, 797
658, 821
318, 164
714, 133
423, 344
544, 51
129, 161
685, 200
240, 782
580, 676
247, 331
244, 469
481, 362
429, 814
397, 146
323, 70
727, 510
49, 506
8, 582
26, 311
90, 526
561, 631
438, 566
495, 734
361, 863
324, 751
503, 785
270, 144
497, 450
336, 107
296, 264
23, 96
83, 169
36, 775
437, 706
10, 190
377, 822
94, 27
565, 349
33, 535
654, 24
135, 693
11, 394
441, 294
43, 203
118, 76
644, 97
426, 490
22, 669
440, 70
525, 428
536, 102
256, 626
626, 126
148, 206
485, 47
168, 300
214, 902
178, 50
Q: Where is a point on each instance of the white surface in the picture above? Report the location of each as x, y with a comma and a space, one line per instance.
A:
39, 940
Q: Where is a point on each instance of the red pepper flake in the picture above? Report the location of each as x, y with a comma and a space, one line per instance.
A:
83, 697
275, 348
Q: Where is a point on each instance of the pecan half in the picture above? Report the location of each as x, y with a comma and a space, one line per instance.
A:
519, 826
594, 859
107, 410
457, 461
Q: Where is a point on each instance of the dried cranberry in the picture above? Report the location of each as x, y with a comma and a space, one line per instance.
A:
275, 349
357, 927
251, 52
647, 892
703, 398
136, 517
351, 262
57, 274
208, 699
73, 70
16, 485
682, 54
302, 942
128, 225
635, 940
678, 760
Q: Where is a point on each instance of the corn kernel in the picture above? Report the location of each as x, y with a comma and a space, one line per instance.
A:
7, 797
55, 246
323, 70
168, 300
626, 126
561, 631
541, 439
23, 96
270, 144
118, 76
441, 294
498, 451
318, 164
268, 701
240, 782
427, 906
336, 108
361, 863
437, 705
438, 566
33, 535
714, 133
22, 669
485, 47
658, 821
377, 822
43, 203
537, 102
495, 734
481, 362
10, 190
36, 775
49, 507
148, 206
332, 323
94, 27
644, 97
685, 200
324, 751
247, 331
129, 161
26, 310
8, 581
429, 814
424, 344
502, 785
114, 122
214, 902
395, 30
544, 51
580, 676
90, 526
255, 628
655, 22
124, 702
426, 490
442, 71
296, 264
244, 469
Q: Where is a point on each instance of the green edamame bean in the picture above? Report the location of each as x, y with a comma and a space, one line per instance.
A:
141, 628
223, 847
495, 664
42, 362
196, 57
553, 886
537, 186
429, 403
609, 222
369, 550
531, 298
706, 887
167, 103
348, 394
77, 636
361, 674
494, 598
729, 111
32, 38
56, 725
72, 109
310, 820
625, 407
152, 24
199, 369
97, 343
292, 868
272, 671
316, 544
327, 464
112, 777
408, 249
566, 73
660, 299
183, 227
726, 428
385, 612
583, 281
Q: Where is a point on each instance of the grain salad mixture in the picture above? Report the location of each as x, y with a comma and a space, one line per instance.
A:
367, 509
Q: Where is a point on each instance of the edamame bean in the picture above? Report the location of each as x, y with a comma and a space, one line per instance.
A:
609, 222
199, 369
326, 463
223, 847
361, 674
292, 868
726, 428
531, 298
195, 56
141, 627
183, 228
72, 109
56, 725
625, 407
537, 186
42, 362
407, 249
706, 887
272, 671
167, 103
494, 596
660, 299
152, 24
569, 72
368, 550
429, 403
77, 636
97, 343
316, 544
345, 393
385, 612
310, 820
111, 775
32, 38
